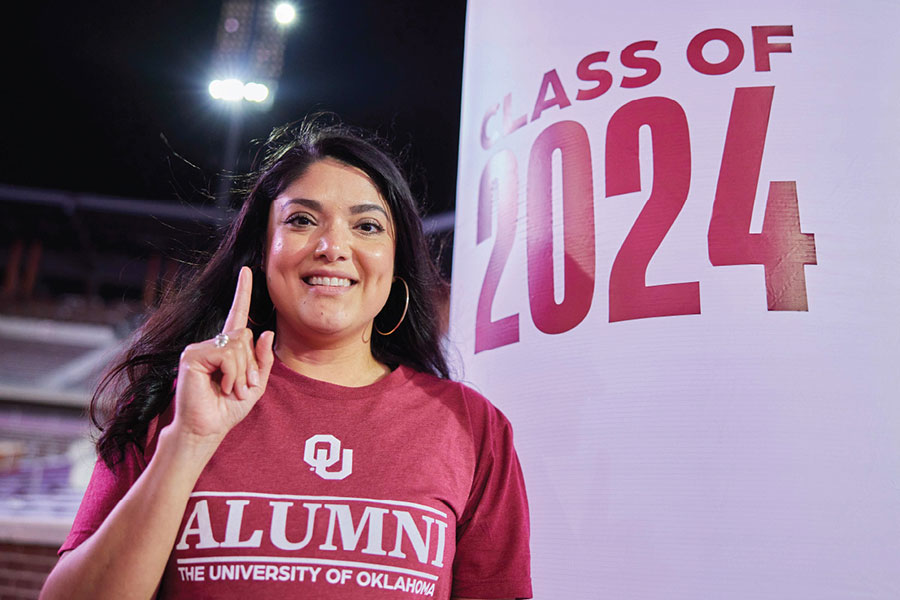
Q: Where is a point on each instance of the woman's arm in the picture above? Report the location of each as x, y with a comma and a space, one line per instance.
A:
217, 386
126, 556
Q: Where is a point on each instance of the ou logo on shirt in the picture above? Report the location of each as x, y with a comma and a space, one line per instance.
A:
321, 458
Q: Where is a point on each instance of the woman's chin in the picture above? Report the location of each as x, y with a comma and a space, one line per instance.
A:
325, 330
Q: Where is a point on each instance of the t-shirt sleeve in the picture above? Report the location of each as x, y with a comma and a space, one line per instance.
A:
492, 547
109, 485
106, 488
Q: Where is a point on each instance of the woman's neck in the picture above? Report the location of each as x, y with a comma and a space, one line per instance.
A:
350, 364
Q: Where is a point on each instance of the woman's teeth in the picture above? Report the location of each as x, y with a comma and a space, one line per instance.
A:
331, 281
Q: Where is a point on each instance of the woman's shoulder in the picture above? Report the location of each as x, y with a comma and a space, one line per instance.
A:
441, 385
463, 395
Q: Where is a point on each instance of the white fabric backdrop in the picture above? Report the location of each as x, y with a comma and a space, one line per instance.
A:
710, 439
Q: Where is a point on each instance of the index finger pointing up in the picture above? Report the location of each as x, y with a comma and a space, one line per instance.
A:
240, 307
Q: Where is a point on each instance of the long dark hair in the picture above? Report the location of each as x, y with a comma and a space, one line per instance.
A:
194, 309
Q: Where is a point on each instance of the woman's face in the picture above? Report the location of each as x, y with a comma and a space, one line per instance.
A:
329, 259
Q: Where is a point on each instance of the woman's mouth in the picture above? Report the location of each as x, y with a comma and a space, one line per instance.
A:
317, 280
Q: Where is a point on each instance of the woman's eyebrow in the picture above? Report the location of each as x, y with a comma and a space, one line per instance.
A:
317, 206
310, 204
362, 208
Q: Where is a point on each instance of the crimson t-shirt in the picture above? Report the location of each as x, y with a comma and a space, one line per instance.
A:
407, 488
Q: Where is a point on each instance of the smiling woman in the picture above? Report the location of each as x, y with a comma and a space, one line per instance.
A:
312, 445
329, 261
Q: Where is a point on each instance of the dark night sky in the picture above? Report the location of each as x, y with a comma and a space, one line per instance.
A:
91, 90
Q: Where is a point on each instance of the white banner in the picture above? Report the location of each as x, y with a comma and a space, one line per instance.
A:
676, 270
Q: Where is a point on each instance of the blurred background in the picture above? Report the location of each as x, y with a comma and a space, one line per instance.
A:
123, 125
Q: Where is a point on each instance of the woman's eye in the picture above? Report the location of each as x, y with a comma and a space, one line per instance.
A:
370, 227
299, 220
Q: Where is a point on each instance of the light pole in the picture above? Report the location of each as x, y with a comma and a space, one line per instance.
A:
247, 62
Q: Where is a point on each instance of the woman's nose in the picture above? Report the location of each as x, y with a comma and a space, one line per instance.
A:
332, 245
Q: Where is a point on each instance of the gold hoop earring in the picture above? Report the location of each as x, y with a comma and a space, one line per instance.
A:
260, 324
405, 308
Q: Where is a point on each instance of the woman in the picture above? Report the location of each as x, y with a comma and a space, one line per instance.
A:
315, 447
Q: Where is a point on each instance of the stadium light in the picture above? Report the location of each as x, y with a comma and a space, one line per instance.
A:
234, 90
255, 92
285, 13
230, 90
246, 64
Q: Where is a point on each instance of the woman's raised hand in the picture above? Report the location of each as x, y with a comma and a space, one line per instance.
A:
218, 384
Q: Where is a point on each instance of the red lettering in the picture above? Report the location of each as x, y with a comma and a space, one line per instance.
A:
571, 139
488, 139
781, 247
651, 66
601, 76
629, 295
500, 186
728, 64
511, 124
762, 48
559, 98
